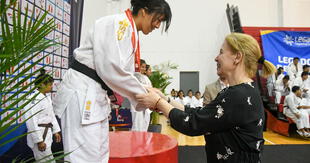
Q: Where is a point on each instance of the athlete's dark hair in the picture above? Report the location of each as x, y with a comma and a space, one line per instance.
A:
158, 7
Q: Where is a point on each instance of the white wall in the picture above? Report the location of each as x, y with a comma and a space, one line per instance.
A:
296, 13
198, 28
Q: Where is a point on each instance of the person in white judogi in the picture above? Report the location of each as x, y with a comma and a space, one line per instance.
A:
297, 112
141, 119
271, 80
180, 98
294, 69
110, 54
188, 100
282, 88
197, 100
303, 83
43, 124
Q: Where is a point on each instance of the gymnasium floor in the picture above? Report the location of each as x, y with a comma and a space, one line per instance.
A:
270, 137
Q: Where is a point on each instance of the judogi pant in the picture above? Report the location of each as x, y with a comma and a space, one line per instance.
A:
88, 143
278, 96
38, 155
303, 121
140, 120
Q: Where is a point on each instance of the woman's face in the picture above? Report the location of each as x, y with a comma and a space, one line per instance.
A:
149, 72
225, 60
181, 94
143, 68
150, 22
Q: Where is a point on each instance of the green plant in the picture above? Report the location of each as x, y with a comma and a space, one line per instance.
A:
20, 42
160, 79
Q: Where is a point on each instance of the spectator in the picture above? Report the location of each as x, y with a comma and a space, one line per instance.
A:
188, 100
271, 80
299, 114
197, 100
180, 98
213, 89
303, 83
282, 88
294, 69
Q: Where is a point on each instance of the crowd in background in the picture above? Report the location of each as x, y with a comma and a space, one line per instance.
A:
291, 89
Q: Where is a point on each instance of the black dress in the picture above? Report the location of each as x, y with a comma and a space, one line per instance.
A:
232, 124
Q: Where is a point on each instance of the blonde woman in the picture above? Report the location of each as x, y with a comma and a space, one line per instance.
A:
233, 122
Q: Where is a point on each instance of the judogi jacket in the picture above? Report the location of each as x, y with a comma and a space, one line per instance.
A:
42, 105
109, 50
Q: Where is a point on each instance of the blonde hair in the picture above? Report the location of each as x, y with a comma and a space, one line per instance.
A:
248, 46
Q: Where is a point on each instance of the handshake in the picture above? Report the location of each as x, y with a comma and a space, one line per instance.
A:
157, 101
152, 99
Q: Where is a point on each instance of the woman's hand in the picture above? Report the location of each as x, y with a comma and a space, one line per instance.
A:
149, 99
158, 91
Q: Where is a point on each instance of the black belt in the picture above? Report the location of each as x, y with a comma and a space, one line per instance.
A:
48, 125
91, 73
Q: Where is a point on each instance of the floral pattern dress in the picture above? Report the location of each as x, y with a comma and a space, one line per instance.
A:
232, 124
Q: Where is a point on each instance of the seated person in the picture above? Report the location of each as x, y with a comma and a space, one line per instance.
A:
197, 100
303, 83
282, 88
188, 100
294, 69
180, 98
299, 114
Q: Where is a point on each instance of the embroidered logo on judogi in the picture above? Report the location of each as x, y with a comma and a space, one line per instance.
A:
122, 28
88, 103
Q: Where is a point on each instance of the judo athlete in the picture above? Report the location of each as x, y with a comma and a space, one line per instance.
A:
43, 124
106, 61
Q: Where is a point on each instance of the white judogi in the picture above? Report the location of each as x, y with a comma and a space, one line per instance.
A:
141, 119
179, 100
197, 102
82, 104
290, 110
294, 71
188, 100
271, 82
281, 90
303, 84
42, 105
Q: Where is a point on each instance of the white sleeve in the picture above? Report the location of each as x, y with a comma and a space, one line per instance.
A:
291, 105
111, 59
32, 123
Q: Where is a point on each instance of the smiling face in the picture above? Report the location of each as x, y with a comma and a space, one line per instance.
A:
143, 68
149, 71
225, 60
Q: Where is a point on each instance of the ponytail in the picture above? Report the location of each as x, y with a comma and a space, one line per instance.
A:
268, 69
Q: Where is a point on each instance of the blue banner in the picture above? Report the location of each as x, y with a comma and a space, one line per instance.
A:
280, 47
